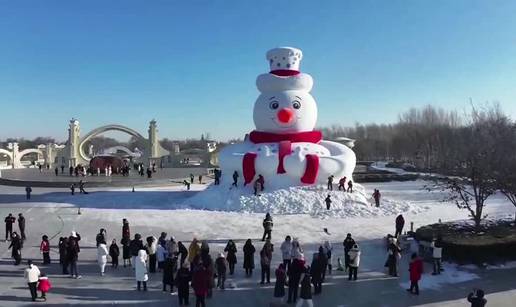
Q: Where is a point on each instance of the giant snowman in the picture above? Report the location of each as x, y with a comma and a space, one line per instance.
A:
285, 148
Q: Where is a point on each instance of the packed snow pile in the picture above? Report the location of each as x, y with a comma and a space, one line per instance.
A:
298, 200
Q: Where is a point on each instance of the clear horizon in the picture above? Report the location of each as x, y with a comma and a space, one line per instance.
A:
192, 66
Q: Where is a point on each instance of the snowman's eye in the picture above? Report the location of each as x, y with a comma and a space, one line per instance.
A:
296, 105
274, 105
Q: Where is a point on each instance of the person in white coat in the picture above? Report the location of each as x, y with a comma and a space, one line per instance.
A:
354, 262
437, 254
32, 274
140, 270
286, 252
102, 253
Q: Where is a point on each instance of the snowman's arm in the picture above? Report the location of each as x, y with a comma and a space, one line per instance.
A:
341, 162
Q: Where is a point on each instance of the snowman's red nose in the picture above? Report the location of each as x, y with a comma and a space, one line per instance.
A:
285, 115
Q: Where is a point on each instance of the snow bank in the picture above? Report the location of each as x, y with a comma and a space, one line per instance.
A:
298, 200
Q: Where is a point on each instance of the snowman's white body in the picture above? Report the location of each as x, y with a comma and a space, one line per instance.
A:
286, 107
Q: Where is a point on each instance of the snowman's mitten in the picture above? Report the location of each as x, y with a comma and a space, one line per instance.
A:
295, 163
266, 162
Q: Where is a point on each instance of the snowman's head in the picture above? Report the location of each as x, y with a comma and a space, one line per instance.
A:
285, 112
285, 104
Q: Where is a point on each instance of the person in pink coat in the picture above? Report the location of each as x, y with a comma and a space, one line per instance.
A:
416, 270
44, 285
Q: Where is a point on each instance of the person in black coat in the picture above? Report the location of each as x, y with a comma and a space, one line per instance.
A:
9, 221
281, 278
296, 269
21, 225
476, 298
183, 278
249, 251
306, 287
231, 256
114, 252
316, 270
72, 253
169, 269
135, 245
182, 252
323, 263
63, 258
400, 223
348, 245
16, 245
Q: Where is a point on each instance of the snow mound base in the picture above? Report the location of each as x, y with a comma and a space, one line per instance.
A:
297, 200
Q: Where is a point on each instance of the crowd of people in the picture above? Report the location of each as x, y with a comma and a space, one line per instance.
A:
182, 268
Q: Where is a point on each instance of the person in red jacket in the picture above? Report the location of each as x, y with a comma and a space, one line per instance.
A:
416, 270
44, 285
44, 248
200, 282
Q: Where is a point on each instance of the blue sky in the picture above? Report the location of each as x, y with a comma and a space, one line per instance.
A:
192, 65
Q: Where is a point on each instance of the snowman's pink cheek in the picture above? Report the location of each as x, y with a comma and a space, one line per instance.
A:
285, 115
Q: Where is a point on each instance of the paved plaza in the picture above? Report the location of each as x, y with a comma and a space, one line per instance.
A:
117, 287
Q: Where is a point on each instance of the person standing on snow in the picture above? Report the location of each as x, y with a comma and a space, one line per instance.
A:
316, 270
261, 182
32, 274
354, 262
294, 277
476, 298
28, 190
9, 221
256, 186
267, 226
183, 278
72, 252
182, 252
286, 252
327, 200
102, 254
322, 262
235, 179
193, 250
126, 240
249, 251
330, 183
328, 249
306, 290
376, 197
221, 266
191, 178
63, 258
348, 245
135, 246
44, 248
265, 262
151, 247
21, 225
393, 256
231, 256
169, 270
416, 270
140, 270
437, 253
114, 252
200, 282
400, 223
281, 279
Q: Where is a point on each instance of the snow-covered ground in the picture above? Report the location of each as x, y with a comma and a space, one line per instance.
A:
218, 214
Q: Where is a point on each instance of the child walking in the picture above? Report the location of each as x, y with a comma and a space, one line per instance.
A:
44, 285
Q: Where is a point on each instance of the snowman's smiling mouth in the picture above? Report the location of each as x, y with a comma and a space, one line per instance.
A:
290, 125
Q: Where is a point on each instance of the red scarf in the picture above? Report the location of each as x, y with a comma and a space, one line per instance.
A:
268, 137
284, 148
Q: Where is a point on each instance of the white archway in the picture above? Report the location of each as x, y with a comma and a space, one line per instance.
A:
103, 129
19, 156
